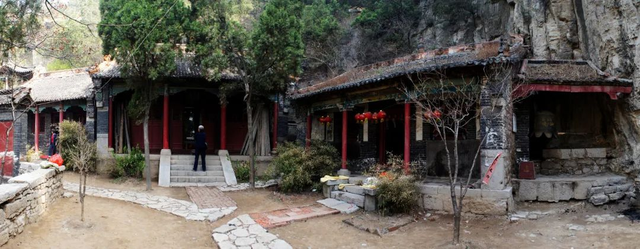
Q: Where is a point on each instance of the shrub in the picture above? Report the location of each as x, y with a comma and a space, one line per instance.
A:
130, 165
32, 156
396, 194
242, 170
394, 164
70, 132
299, 169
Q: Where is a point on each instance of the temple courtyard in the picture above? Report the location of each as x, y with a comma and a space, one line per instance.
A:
113, 223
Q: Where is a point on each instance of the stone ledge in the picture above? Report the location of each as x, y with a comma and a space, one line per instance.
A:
9, 191
34, 178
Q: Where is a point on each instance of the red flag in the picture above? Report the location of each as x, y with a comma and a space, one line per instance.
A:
487, 176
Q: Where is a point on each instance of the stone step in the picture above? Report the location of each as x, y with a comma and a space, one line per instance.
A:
196, 173
190, 167
198, 179
190, 157
355, 199
356, 179
187, 162
358, 190
193, 184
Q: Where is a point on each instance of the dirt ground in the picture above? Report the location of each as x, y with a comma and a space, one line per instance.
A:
124, 225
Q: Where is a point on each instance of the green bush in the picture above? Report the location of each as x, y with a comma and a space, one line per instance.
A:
70, 132
130, 165
299, 169
396, 195
242, 170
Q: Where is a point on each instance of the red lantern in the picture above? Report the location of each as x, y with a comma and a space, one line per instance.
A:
367, 116
437, 114
327, 119
321, 119
382, 115
374, 117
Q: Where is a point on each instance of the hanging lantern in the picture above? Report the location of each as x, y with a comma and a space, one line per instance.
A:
321, 119
359, 118
382, 116
437, 114
374, 117
367, 116
327, 120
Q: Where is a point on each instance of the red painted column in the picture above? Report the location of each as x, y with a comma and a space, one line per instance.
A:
344, 139
61, 113
407, 135
223, 127
37, 128
275, 125
165, 121
308, 138
382, 148
110, 122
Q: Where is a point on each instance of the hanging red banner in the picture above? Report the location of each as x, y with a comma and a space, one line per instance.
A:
487, 176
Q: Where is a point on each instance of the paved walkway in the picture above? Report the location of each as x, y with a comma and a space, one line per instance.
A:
180, 208
245, 186
209, 197
285, 216
244, 232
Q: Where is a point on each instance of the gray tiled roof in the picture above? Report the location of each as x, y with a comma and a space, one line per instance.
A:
59, 86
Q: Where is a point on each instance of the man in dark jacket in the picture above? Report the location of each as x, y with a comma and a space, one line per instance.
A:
201, 148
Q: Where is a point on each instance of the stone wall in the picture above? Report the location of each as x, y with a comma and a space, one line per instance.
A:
573, 161
437, 197
597, 190
25, 199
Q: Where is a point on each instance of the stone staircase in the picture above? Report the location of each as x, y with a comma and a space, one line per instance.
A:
352, 194
182, 173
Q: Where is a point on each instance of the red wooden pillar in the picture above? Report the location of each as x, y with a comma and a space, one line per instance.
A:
275, 125
407, 135
37, 129
308, 138
165, 120
382, 148
344, 139
223, 127
110, 137
61, 113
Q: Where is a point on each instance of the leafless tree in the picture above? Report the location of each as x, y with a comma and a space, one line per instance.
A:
452, 103
84, 158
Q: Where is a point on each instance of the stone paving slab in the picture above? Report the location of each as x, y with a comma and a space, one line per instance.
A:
245, 186
285, 216
188, 210
209, 197
244, 232
343, 207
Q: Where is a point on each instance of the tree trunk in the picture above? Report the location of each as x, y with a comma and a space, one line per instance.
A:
251, 141
456, 225
84, 191
81, 197
147, 161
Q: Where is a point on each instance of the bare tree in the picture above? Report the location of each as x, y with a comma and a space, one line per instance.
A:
84, 158
452, 104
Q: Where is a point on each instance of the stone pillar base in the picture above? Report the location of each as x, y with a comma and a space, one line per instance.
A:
344, 172
164, 174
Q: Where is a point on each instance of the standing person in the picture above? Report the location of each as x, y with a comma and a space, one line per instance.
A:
53, 141
201, 149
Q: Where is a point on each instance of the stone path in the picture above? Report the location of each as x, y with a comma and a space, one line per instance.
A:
180, 208
343, 207
209, 197
245, 186
285, 216
243, 232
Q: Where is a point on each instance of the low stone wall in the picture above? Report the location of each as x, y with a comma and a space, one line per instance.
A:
25, 198
437, 196
598, 189
573, 161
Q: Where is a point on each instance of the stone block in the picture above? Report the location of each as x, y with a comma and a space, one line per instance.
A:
546, 193
485, 206
9, 191
596, 152
432, 203
616, 196
357, 200
354, 190
528, 191
624, 187
370, 203
497, 194
164, 171
34, 178
610, 189
327, 189
429, 189
578, 153
4, 235
581, 190
599, 199
563, 191
596, 191
13, 208
227, 168
336, 182
370, 191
